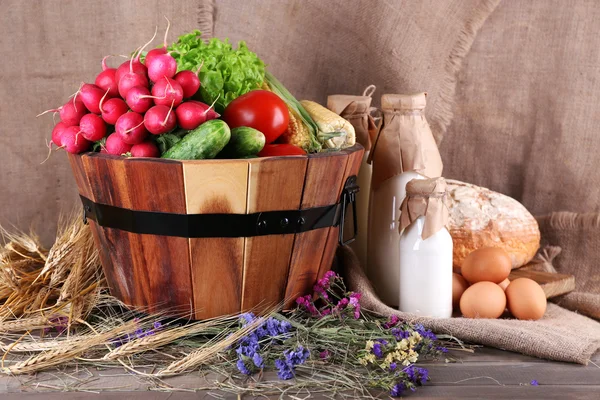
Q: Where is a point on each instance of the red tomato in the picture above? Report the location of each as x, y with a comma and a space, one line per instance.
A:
261, 110
271, 150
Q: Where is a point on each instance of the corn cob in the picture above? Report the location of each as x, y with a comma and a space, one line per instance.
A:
335, 130
297, 133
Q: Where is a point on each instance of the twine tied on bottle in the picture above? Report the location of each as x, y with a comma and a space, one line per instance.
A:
425, 198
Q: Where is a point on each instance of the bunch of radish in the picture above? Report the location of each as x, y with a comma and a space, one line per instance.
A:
129, 104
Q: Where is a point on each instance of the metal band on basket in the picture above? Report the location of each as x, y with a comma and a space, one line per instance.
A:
224, 225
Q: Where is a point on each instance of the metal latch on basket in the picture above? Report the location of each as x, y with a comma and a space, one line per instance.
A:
349, 197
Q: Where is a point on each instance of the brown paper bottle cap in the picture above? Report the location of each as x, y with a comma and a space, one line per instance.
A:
416, 101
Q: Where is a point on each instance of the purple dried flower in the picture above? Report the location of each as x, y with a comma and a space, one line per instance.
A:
392, 321
273, 327
393, 366
241, 366
157, 325
397, 390
247, 318
258, 360
284, 370
377, 350
399, 334
298, 356
425, 333
284, 327
534, 383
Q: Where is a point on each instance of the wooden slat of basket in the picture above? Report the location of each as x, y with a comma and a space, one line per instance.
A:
266, 258
163, 260
147, 271
324, 173
352, 168
216, 263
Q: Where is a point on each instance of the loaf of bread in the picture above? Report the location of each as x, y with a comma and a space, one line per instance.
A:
480, 217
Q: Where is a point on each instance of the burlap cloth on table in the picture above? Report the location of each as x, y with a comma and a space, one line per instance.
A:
561, 335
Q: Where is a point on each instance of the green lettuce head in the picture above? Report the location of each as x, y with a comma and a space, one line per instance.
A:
226, 72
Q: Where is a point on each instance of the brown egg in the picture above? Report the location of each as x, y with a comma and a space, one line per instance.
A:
483, 300
526, 299
490, 264
459, 285
504, 284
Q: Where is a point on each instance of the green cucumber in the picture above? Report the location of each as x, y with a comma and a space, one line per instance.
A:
206, 141
244, 142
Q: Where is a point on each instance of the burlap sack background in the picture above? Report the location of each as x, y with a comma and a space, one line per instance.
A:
579, 238
526, 107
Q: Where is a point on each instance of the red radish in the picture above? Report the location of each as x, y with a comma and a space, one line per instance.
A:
160, 51
112, 109
192, 114
145, 149
138, 99
130, 80
70, 113
160, 119
73, 142
136, 66
92, 127
130, 127
167, 91
91, 95
57, 133
115, 145
106, 79
189, 81
159, 66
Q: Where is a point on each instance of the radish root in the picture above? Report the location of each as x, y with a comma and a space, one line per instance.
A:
135, 127
164, 123
102, 100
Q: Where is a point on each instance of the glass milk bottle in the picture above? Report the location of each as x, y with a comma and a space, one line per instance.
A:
425, 250
356, 109
403, 150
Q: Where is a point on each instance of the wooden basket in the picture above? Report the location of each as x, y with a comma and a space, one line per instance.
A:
205, 277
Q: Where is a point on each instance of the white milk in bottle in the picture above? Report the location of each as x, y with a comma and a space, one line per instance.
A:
425, 251
403, 150
356, 109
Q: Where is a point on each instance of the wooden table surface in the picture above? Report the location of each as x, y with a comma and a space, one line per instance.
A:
487, 373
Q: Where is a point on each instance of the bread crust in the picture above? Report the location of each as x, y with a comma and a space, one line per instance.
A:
480, 217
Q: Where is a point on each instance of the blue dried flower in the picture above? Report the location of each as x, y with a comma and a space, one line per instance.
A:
247, 318
157, 325
284, 370
399, 334
534, 383
284, 327
296, 357
397, 390
393, 366
273, 327
241, 366
423, 374
377, 350
425, 333
258, 360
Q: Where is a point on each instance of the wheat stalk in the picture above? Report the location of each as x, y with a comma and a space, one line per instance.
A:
208, 352
67, 352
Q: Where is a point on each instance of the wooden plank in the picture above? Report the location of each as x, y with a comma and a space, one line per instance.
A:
161, 264
216, 263
149, 272
106, 176
355, 155
553, 284
324, 173
274, 183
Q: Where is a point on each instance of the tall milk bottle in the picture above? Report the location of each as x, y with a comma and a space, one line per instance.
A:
403, 150
356, 109
425, 250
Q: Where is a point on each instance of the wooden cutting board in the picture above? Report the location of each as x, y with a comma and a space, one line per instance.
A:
553, 284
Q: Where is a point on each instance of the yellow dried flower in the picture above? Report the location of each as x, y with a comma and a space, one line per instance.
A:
413, 356
402, 345
414, 338
369, 345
